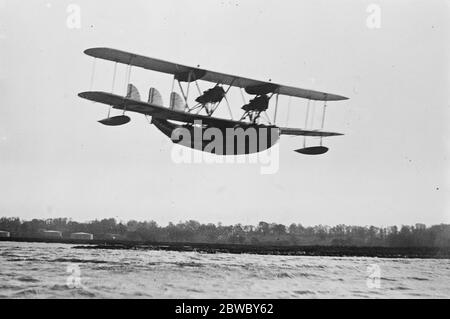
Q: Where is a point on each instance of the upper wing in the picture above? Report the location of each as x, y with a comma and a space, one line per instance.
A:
182, 72
122, 103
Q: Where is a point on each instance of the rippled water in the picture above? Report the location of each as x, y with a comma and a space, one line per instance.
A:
41, 271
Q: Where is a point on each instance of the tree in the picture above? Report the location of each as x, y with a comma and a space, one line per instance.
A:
263, 228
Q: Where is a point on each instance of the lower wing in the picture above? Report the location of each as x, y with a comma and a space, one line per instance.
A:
131, 105
300, 132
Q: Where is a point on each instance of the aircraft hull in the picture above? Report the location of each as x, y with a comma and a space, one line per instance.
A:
221, 140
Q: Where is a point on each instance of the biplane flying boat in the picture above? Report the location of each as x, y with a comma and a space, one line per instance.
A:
199, 117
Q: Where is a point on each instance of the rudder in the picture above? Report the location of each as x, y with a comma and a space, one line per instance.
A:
154, 97
176, 102
133, 93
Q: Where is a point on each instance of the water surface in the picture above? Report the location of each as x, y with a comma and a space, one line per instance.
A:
38, 270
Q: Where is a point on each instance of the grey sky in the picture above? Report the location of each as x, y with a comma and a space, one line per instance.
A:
390, 168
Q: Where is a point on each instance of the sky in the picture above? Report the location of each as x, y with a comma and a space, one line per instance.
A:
390, 168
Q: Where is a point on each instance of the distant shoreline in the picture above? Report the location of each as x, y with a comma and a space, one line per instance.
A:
326, 251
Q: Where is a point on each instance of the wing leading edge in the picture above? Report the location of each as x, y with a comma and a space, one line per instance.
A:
181, 72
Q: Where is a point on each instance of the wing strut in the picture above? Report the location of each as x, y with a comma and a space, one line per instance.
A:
229, 108
190, 78
314, 150
243, 97
323, 120
306, 121
276, 110
226, 100
182, 92
121, 119
127, 84
173, 85
198, 87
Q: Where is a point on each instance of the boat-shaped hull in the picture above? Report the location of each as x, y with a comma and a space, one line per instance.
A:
221, 141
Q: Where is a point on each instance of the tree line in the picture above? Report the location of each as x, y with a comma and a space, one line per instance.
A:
264, 233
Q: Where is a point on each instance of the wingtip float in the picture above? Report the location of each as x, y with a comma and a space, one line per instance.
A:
116, 120
182, 109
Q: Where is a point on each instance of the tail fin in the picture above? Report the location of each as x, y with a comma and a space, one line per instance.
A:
133, 93
154, 97
176, 102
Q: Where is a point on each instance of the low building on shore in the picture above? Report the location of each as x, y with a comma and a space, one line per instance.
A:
5, 234
112, 237
52, 234
420, 226
117, 237
82, 236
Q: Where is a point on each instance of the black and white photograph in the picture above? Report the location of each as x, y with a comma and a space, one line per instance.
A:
224, 154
